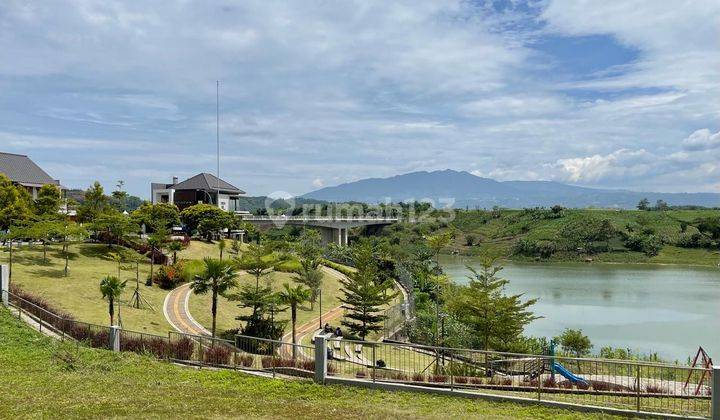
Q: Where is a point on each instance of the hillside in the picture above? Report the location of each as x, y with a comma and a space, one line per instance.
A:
467, 190
500, 234
50, 379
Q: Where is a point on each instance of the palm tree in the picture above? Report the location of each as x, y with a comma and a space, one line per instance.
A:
217, 277
175, 247
222, 245
312, 278
111, 288
294, 297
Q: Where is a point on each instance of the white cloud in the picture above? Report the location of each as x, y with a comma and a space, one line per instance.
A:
343, 90
702, 139
318, 183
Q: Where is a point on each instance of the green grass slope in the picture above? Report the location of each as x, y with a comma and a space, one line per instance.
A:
44, 378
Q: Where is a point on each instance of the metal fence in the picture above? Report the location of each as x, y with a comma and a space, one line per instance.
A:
620, 384
93, 335
629, 385
247, 353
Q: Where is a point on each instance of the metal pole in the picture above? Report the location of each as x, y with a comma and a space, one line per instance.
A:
320, 296
715, 410
637, 388
539, 387
374, 362
273, 360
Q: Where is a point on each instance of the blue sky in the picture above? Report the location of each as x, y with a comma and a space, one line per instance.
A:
617, 94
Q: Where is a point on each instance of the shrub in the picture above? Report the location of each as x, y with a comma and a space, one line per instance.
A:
461, 379
531, 248
438, 378
549, 383
418, 377
360, 374
169, 276
477, 381
245, 360
182, 349
217, 355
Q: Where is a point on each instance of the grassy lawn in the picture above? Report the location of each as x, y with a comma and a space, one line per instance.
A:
50, 379
227, 310
79, 293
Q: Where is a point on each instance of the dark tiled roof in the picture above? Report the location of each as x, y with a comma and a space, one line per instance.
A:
20, 169
205, 181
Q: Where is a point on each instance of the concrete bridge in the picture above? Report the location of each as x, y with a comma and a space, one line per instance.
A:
332, 229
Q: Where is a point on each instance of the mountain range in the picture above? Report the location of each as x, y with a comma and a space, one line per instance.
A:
461, 189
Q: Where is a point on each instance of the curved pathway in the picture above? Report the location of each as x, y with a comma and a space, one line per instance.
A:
177, 312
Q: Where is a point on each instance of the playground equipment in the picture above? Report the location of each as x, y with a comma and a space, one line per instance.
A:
706, 363
557, 367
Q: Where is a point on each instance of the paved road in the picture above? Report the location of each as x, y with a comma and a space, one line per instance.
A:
177, 312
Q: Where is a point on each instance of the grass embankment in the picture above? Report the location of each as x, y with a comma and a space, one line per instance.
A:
495, 235
53, 379
79, 293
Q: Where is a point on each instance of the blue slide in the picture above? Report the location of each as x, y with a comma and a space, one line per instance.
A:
569, 375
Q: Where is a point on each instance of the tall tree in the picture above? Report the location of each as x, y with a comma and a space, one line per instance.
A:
257, 261
294, 297
48, 201
496, 319
111, 288
114, 226
364, 294
217, 277
15, 205
120, 196
312, 278
95, 202
164, 215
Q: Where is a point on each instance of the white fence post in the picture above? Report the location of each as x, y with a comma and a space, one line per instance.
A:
115, 337
715, 390
320, 358
5, 284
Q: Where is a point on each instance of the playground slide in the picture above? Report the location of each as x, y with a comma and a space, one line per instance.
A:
566, 373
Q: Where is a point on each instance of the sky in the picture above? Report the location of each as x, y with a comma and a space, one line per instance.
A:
607, 93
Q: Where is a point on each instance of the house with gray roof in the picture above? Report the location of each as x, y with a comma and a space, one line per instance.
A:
23, 171
201, 188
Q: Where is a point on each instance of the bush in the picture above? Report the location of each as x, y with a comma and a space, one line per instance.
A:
531, 248
461, 379
182, 349
694, 240
244, 360
418, 377
438, 378
170, 276
648, 244
217, 355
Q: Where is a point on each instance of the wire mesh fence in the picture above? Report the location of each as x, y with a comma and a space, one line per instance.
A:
629, 385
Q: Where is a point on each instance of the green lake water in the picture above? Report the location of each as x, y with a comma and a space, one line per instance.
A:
670, 310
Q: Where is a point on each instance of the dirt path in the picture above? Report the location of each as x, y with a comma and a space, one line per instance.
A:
177, 312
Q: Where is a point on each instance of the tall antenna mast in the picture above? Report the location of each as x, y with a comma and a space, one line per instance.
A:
217, 135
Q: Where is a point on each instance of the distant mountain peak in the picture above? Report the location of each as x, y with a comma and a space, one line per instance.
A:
468, 190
